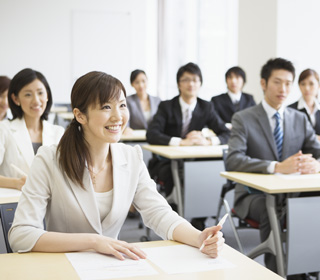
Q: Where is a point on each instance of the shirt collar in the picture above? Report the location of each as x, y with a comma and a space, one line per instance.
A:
184, 106
271, 111
235, 97
302, 105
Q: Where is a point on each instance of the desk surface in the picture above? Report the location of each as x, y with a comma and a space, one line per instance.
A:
9, 195
59, 109
137, 135
271, 183
184, 152
56, 266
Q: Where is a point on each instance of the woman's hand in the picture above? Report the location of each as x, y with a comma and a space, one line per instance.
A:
212, 246
20, 182
110, 246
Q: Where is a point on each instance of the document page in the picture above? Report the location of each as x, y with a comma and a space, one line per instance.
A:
184, 259
91, 265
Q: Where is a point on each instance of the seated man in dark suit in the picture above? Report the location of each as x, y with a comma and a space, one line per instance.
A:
179, 121
234, 100
270, 138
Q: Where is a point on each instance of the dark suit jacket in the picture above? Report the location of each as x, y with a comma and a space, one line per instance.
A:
167, 122
225, 108
137, 120
317, 126
252, 146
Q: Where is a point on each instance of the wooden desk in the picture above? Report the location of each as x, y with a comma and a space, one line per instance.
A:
192, 194
138, 135
271, 185
66, 115
9, 195
59, 109
56, 266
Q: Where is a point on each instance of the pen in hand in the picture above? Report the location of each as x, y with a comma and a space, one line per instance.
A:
221, 222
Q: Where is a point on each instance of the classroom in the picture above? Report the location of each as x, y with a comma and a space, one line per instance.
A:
171, 139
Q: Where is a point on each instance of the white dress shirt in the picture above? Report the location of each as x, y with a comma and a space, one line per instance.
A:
235, 97
175, 141
303, 105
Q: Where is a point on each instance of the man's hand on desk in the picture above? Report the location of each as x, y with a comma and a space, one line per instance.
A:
299, 162
195, 138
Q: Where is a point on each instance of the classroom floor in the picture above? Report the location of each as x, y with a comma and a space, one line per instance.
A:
249, 237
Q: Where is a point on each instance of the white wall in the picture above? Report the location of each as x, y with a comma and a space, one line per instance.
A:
199, 31
64, 39
278, 28
298, 37
257, 40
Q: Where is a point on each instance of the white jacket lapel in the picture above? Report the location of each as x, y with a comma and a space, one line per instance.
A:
120, 184
22, 138
48, 134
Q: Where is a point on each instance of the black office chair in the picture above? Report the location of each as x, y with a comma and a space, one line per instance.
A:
242, 223
7, 214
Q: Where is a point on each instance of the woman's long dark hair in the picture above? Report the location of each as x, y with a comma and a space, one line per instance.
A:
89, 90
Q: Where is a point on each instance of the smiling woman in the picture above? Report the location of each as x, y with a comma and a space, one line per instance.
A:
30, 101
85, 186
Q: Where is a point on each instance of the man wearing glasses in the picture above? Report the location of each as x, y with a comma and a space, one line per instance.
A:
179, 121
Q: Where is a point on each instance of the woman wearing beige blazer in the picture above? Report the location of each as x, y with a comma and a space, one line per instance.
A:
85, 186
30, 101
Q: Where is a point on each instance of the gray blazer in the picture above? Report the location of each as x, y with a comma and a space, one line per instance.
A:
68, 208
137, 120
252, 147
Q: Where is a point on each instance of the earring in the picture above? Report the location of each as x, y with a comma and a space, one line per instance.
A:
18, 104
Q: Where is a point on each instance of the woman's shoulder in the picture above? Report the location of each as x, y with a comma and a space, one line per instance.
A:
127, 151
47, 152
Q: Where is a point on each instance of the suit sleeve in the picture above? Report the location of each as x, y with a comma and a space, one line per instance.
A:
218, 126
237, 159
311, 143
252, 102
156, 129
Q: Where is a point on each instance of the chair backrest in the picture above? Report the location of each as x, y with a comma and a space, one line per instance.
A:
6, 215
303, 242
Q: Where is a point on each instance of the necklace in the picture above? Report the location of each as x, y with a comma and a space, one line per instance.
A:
95, 174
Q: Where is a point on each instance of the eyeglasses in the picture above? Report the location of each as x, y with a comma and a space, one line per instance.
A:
187, 80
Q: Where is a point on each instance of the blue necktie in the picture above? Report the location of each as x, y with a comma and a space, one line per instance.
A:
278, 135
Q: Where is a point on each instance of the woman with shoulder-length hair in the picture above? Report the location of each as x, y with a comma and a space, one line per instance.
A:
85, 186
30, 101
309, 84
142, 106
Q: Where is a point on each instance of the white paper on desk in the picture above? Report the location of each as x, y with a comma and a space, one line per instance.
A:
6, 192
184, 259
297, 175
91, 265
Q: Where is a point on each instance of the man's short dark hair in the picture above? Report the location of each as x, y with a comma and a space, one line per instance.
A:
190, 68
276, 64
236, 71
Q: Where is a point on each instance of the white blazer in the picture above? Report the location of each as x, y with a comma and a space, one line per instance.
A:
66, 207
16, 146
